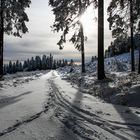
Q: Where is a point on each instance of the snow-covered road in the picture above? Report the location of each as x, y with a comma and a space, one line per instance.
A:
22, 103
49, 108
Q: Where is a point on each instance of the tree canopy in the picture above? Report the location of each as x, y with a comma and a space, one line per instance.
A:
119, 16
67, 16
14, 16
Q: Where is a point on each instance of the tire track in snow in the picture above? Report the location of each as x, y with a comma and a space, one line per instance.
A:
28, 120
86, 115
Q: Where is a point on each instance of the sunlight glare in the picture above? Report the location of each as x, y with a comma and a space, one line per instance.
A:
88, 20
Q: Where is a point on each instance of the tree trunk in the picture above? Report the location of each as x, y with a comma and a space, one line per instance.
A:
1, 39
82, 40
132, 37
139, 62
101, 72
82, 48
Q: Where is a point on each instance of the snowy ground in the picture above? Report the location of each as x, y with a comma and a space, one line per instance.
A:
24, 102
44, 106
121, 86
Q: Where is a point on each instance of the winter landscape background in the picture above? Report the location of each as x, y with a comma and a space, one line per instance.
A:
76, 80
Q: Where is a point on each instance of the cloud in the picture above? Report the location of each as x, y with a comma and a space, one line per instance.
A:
41, 40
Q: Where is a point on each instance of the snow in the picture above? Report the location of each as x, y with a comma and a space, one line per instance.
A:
115, 89
92, 115
27, 97
25, 102
60, 105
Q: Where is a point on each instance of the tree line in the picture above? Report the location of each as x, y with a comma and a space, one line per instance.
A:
123, 15
13, 20
35, 63
122, 45
123, 21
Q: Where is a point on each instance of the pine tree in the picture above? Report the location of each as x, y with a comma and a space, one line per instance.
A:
12, 21
92, 59
17, 66
124, 14
63, 63
32, 63
67, 17
14, 68
101, 71
139, 62
57, 64
5, 69
66, 62
25, 65
44, 62
138, 13
54, 65
28, 65
10, 68
50, 61
38, 63
20, 67
71, 62
132, 36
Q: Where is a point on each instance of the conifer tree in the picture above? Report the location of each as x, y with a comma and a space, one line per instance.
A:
138, 29
71, 62
101, 71
66, 62
47, 62
12, 21
20, 67
14, 68
50, 61
28, 65
92, 59
67, 17
44, 62
54, 64
17, 66
5, 69
139, 62
124, 14
10, 68
32, 62
25, 65
38, 63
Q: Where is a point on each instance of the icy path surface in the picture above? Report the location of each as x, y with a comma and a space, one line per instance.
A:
49, 108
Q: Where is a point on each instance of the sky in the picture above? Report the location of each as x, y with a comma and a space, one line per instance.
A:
42, 40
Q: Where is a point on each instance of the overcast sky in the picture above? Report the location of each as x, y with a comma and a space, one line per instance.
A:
41, 40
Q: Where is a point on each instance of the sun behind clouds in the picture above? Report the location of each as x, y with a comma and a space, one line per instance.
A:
88, 20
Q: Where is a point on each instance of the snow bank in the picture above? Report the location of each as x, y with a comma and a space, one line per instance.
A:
116, 89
